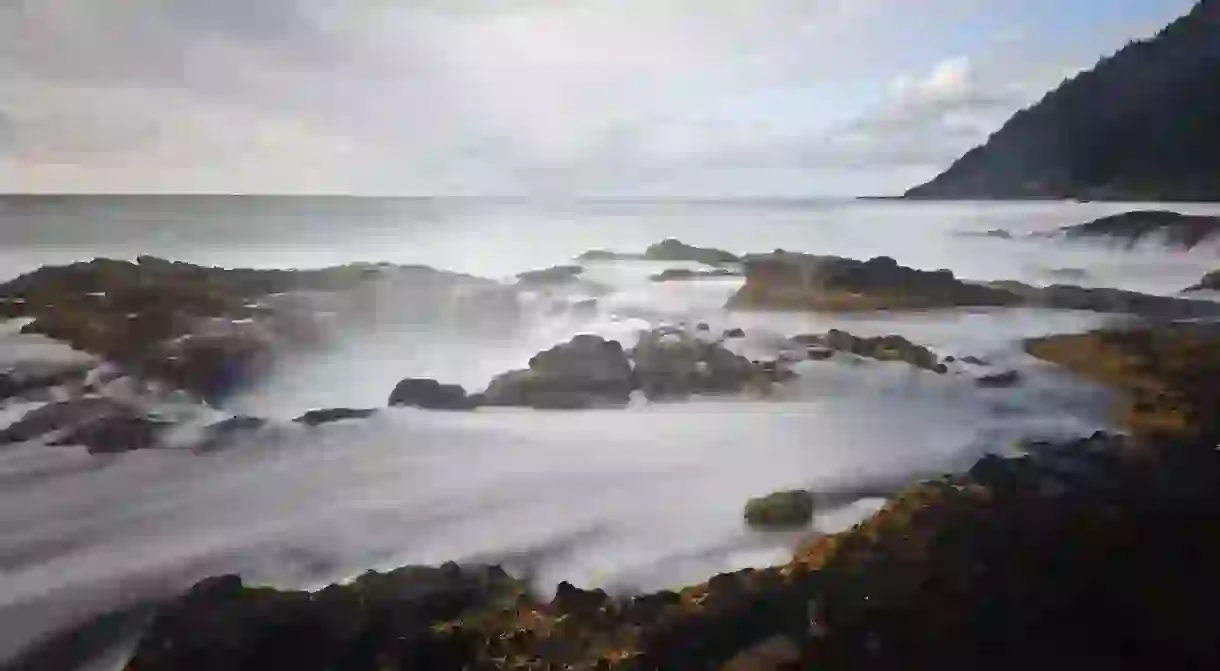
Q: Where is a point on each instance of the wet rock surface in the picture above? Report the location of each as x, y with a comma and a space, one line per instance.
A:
103, 425
585, 372
676, 274
553, 276
884, 348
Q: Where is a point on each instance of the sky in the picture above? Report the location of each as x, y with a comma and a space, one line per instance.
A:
589, 98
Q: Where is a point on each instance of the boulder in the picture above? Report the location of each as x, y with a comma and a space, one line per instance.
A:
1209, 282
103, 425
781, 510
676, 250
734, 333
975, 361
584, 372
430, 395
331, 415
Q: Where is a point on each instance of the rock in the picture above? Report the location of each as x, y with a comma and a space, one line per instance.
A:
578, 602
225, 433
430, 395
555, 275
787, 281
331, 415
1179, 230
1069, 297
734, 333
886, 348
975, 361
603, 255
103, 425
819, 353
33, 376
781, 510
675, 365
997, 233
675, 250
1209, 282
585, 372
778, 653
1008, 378
687, 274
397, 618
703, 327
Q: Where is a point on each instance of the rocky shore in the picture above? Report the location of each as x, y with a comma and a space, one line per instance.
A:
1009, 565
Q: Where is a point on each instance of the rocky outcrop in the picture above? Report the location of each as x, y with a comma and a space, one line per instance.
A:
1177, 230
781, 510
430, 395
229, 432
676, 250
101, 424
675, 274
331, 415
585, 372
1165, 376
789, 281
208, 330
1001, 380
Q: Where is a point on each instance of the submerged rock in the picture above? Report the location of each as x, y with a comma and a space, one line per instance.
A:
674, 364
585, 372
885, 348
332, 415
781, 510
28, 377
225, 433
1209, 282
430, 395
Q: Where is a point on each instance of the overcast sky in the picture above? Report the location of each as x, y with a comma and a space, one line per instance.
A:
536, 97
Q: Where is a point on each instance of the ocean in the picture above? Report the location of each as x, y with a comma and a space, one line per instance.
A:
635, 499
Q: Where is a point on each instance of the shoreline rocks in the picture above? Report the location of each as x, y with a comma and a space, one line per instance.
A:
681, 274
587, 371
429, 394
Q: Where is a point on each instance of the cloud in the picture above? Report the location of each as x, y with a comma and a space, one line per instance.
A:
480, 96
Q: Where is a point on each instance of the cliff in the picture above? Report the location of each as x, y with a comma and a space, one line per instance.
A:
1143, 124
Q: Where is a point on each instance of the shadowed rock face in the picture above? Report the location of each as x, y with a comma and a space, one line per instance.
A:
585, 372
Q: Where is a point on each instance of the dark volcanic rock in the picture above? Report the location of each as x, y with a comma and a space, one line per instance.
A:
430, 395
787, 281
587, 371
782, 510
1179, 230
101, 424
331, 415
885, 348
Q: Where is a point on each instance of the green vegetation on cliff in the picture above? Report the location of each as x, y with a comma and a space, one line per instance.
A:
1143, 124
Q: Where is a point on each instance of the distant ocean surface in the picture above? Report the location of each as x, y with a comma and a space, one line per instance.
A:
641, 498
